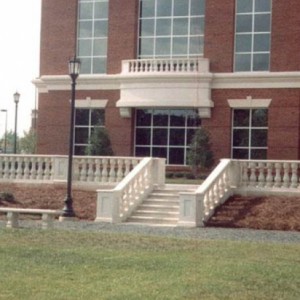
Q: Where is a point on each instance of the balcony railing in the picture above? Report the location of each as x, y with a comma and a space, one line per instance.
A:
178, 65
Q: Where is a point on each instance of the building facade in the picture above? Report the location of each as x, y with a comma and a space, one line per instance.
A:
153, 71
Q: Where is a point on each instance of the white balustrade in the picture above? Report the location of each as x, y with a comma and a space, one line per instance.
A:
89, 169
175, 65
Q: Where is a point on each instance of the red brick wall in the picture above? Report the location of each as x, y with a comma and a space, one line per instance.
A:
285, 42
219, 34
58, 35
123, 32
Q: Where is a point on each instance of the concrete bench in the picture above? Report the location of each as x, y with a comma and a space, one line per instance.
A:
13, 213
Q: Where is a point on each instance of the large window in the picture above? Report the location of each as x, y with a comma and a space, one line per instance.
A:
171, 28
252, 35
86, 120
250, 133
92, 35
165, 133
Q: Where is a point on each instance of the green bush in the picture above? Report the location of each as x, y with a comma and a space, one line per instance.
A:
6, 196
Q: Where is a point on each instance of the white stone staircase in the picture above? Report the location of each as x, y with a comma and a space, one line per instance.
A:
161, 207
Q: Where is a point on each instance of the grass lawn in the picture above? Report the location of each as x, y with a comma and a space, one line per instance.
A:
36, 264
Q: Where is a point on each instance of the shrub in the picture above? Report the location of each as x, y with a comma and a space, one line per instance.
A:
6, 196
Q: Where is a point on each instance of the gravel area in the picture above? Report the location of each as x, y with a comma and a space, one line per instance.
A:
249, 235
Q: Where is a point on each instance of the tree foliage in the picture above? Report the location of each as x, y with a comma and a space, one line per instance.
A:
99, 143
200, 156
27, 143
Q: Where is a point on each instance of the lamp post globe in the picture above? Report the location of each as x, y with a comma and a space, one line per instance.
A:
74, 69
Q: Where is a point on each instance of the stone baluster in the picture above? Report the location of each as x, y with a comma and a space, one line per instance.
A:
19, 168
252, 174
245, 180
47, 169
120, 170
6, 168
277, 178
26, 168
261, 175
286, 176
40, 165
104, 175
127, 167
112, 172
206, 204
1, 168
90, 166
12, 171
83, 169
33, 171
269, 178
294, 178
97, 170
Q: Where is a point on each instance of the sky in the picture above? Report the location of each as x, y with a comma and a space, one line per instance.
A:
19, 54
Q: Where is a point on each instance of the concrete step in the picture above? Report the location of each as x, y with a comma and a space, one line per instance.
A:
159, 207
152, 220
156, 213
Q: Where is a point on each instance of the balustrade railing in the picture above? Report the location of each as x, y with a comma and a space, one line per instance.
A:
179, 65
89, 169
117, 204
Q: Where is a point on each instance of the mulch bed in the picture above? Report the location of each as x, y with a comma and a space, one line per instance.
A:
271, 213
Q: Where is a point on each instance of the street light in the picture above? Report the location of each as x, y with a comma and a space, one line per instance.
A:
74, 69
5, 134
16, 99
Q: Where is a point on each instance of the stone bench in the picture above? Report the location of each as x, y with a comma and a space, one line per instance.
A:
13, 213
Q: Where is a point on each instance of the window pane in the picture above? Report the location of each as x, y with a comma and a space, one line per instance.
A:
164, 8
197, 26
85, 29
240, 153
160, 117
241, 118
259, 117
100, 47
85, 67
101, 10
85, 47
177, 118
262, 5
262, 23
176, 156
197, 7
244, 6
261, 42
260, 62
243, 43
97, 117
190, 135
81, 135
79, 150
193, 119
177, 137
159, 152
143, 136
163, 46
99, 65
147, 8
196, 45
100, 29
147, 27
240, 137
143, 117
147, 46
259, 137
244, 23
86, 11
160, 136
242, 62
142, 151
180, 26
82, 117
258, 154
180, 46
163, 27
181, 7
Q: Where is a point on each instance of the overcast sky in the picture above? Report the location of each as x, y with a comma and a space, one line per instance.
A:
19, 54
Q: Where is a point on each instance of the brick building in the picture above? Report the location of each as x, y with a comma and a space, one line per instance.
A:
154, 70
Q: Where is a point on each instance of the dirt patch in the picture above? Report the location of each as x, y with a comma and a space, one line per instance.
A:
272, 213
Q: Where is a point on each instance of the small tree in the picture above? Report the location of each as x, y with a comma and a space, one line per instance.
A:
200, 156
28, 142
99, 143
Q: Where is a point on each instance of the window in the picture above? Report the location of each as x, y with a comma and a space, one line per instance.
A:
165, 133
171, 28
86, 120
252, 35
92, 36
250, 133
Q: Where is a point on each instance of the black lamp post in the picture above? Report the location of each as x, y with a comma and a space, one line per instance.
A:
74, 68
5, 134
16, 99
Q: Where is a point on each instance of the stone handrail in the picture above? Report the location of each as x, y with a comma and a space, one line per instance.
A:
196, 208
46, 168
174, 65
117, 204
